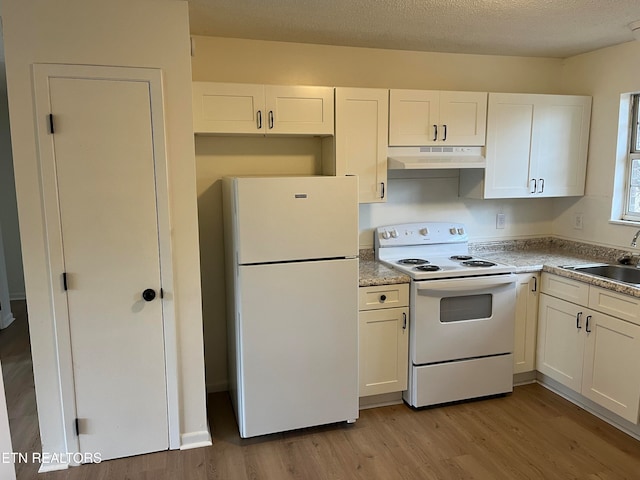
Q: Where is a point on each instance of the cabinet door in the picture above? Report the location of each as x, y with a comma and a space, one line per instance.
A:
463, 118
560, 341
509, 124
228, 108
362, 124
559, 144
383, 351
526, 323
612, 354
299, 110
414, 117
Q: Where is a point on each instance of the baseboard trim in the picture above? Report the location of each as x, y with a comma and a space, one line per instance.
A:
52, 467
195, 440
6, 319
381, 400
218, 387
588, 405
524, 378
17, 296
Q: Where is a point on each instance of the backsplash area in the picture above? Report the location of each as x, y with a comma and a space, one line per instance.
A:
436, 200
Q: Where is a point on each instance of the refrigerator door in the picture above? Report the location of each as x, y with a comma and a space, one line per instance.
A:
298, 345
295, 218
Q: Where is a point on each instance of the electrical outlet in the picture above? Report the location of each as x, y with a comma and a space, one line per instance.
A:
501, 220
578, 221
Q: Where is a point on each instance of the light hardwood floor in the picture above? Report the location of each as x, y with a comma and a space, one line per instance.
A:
530, 434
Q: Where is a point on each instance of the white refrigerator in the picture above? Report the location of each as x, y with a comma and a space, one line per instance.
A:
292, 285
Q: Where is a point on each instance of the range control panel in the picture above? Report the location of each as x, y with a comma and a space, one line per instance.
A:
424, 233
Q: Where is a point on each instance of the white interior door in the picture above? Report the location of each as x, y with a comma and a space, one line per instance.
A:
104, 160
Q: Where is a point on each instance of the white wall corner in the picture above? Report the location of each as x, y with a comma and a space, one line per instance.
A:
195, 440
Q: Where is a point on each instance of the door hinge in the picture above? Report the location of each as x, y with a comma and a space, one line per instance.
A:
51, 129
64, 281
76, 426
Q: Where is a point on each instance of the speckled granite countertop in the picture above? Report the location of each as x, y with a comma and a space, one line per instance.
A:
532, 255
373, 273
549, 255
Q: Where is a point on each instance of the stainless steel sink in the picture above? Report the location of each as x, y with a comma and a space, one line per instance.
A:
620, 273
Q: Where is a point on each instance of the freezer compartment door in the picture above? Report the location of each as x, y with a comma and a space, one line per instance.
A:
299, 345
295, 218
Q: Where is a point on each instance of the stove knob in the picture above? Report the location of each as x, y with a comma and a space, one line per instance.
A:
461, 231
424, 231
394, 233
452, 231
385, 235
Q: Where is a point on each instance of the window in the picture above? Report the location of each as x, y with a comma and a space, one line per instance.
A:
632, 207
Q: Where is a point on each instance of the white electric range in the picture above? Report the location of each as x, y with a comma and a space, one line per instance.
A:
462, 313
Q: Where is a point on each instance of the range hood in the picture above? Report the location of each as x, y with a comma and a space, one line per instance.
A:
421, 158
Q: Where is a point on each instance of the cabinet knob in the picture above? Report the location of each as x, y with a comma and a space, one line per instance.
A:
383, 298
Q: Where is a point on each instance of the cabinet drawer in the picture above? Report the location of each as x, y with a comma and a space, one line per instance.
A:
565, 288
615, 304
384, 296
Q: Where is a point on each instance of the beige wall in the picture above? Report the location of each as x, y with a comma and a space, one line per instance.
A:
144, 33
605, 74
409, 199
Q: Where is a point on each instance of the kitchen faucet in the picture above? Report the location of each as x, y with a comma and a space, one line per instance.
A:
635, 239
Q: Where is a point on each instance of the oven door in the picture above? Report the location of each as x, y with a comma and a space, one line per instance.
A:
462, 318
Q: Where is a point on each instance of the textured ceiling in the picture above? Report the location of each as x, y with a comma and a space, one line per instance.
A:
542, 28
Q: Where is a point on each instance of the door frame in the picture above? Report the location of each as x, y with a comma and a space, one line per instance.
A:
41, 73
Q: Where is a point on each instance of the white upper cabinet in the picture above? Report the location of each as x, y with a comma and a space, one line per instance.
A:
361, 139
425, 117
237, 108
536, 147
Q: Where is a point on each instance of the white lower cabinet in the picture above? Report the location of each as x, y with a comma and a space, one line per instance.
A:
383, 339
524, 349
561, 341
591, 352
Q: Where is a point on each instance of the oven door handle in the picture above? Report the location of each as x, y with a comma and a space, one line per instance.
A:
467, 285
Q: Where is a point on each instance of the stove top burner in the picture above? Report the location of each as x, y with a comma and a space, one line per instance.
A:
460, 257
478, 263
412, 261
427, 268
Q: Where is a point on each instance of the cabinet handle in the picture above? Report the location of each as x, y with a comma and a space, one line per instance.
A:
535, 284
578, 316
270, 119
445, 133
588, 330
404, 321
541, 186
383, 298
259, 119
435, 133
533, 190
382, 190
